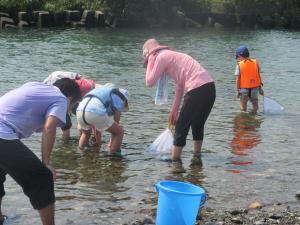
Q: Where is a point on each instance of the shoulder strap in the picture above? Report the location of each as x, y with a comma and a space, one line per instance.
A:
109, 104
83, 112
104, 103
118, 93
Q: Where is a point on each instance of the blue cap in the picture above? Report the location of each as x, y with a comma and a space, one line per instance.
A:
242, 51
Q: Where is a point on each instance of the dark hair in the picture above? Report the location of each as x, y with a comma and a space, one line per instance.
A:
245, 54
69, 88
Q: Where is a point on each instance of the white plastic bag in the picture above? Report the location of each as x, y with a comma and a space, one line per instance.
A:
271, 106
162, 144
161, 96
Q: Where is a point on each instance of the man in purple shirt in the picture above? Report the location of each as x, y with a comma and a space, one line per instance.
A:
33, 107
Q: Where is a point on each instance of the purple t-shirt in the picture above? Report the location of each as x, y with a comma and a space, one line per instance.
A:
24, 110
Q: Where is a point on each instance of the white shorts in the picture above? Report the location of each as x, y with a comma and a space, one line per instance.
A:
101, 123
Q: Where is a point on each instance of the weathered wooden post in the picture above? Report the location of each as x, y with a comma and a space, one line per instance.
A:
88, 17
72, 16
23, 19
7, 22
99, 17
59, 18
43, 19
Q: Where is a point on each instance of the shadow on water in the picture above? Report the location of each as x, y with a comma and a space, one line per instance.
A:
246, 137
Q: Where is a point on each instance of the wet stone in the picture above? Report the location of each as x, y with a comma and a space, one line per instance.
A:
297, 195
212, 223
275, 216
238, 211
69, 222
137, 222
259, 223
148, 221
255, 205
237, 220
199, 217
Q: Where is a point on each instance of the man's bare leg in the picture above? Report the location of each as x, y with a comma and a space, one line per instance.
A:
47, 215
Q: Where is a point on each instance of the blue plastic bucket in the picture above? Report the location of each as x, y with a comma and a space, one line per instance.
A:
178, 202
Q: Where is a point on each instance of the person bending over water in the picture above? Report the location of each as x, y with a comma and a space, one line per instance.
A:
33, 107
191, 81
99, 110
85, 86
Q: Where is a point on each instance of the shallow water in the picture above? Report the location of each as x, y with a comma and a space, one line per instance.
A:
245, 158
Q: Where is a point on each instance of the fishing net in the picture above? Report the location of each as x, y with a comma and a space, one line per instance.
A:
162, 144
271, 106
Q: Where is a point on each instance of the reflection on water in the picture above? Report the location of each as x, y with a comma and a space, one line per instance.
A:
88, 169
261, 152
246, 137
193, 173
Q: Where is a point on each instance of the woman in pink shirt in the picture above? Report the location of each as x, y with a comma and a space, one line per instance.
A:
191, 81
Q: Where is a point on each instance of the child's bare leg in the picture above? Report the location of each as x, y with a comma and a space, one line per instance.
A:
243, 102
98, 137
84, 138
117, 133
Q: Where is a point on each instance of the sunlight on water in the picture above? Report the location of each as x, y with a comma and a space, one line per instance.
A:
245, 157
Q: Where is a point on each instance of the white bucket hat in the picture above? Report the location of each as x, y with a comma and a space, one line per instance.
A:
126, 95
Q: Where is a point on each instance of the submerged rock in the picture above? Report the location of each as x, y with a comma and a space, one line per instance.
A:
237, 220
255, 205
238, 211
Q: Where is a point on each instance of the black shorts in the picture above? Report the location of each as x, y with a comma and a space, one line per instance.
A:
28, 171
194, 112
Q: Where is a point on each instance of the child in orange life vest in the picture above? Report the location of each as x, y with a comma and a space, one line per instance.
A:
248, 80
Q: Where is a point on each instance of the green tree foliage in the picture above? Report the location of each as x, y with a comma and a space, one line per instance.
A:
7, 5
59, 5
287, 12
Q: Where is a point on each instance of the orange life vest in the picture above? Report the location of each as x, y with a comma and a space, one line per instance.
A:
249, 74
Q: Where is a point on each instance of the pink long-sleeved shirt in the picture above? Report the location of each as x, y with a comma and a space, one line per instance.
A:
187, 73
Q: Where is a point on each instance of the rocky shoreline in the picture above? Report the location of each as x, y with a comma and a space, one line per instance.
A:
287, 213
278, 213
